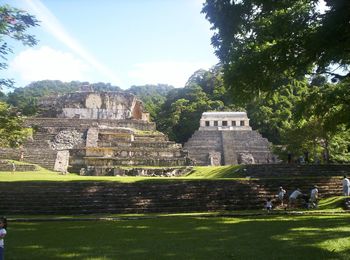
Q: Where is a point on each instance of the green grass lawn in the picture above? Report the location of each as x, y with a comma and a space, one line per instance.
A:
46, 175
183, 237
179, 236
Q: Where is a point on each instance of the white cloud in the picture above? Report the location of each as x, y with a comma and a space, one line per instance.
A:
54, 27
172, 73
47, 63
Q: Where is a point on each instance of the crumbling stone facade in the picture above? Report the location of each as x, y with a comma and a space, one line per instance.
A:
97, 133
225, 138
93, 105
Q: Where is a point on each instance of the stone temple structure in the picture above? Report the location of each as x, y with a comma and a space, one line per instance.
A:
98, 133
225, 138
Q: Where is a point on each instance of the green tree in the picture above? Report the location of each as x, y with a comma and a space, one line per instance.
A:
266, 47
266, 44
14, 24
273, 114
12, 132
180, 114
152, 96
326, 107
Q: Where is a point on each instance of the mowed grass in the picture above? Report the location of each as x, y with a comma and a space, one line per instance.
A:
183, 237
214, 172
46, 175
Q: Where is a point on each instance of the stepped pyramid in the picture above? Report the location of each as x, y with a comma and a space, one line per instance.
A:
96, 133
225, 138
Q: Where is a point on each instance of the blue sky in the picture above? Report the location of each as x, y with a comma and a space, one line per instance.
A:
123, 42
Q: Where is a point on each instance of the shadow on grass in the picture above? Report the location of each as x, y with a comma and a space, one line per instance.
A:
269, 237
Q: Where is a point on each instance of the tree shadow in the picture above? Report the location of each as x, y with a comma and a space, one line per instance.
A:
269, 237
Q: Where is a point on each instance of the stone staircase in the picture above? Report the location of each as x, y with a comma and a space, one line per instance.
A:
145, 197
95, 148
246, 142
294, 170
37, 149
230, 144
201, 144
8, 167
118, 147
86, 123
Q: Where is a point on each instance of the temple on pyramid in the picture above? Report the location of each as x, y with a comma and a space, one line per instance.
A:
225, 138
97, 133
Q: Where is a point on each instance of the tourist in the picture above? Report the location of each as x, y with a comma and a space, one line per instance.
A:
3, 226
13, 167
346, 186
289, 157
313, 197
268, 205
21, 156
281, 193
293, 197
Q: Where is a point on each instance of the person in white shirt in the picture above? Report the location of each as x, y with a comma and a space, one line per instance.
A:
3, 225
313, 197
281, 193
294, 196
346, 186
268, 205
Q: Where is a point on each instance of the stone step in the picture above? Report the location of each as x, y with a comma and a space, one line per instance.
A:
145, 161
174, 196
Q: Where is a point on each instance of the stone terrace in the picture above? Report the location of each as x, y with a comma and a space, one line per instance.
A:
158, 196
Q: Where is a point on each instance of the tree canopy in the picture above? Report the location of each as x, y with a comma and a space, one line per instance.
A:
14, 24
180, 114
152, 96
12, 132
288, 62
264, 44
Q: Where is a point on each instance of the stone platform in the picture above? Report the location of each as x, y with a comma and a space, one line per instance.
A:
173, 196
96, 133
225, 138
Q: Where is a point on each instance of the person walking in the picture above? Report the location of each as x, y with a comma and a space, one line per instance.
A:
346, 186
13, 166
281, 193
3, 226
313, 197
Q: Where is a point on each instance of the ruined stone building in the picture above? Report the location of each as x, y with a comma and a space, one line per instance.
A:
225, 138
96, 133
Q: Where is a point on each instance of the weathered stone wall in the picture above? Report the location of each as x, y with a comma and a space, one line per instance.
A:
202, 144
86, 123
175, 196
93, 105
8, 167
62, 161
147, 172
245, 147
102, 130
227, 138
235, 147
87, 143
66, 139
